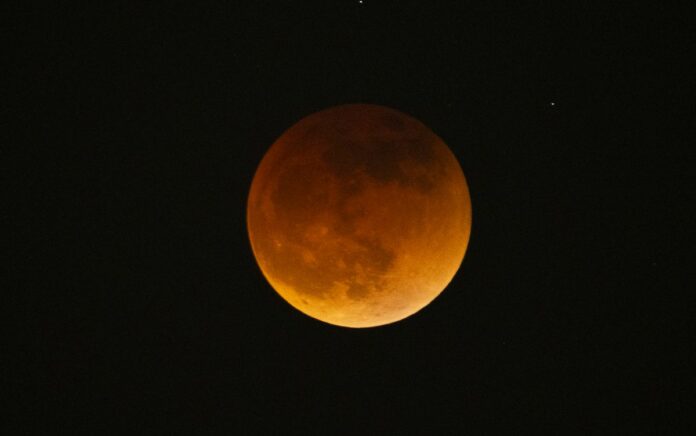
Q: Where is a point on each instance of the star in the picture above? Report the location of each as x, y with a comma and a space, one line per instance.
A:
553, 103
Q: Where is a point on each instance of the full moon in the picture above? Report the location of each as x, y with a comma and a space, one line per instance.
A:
359, 215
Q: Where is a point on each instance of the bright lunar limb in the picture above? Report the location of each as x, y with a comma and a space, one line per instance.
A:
359, 215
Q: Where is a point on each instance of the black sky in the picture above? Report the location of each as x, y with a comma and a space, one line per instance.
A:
140, 308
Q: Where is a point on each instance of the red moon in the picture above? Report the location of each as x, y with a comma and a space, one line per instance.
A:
359, 215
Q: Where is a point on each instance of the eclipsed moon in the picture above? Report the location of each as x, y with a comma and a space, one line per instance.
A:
359, 215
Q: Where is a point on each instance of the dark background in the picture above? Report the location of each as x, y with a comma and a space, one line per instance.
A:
139, 306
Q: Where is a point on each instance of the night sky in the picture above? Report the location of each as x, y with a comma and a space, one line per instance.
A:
139, 307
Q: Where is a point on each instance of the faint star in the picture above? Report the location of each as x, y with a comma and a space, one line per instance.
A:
553, 103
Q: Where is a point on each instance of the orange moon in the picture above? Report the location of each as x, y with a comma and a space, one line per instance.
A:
359, 215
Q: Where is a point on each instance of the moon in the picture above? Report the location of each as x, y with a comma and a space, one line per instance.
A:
359, 215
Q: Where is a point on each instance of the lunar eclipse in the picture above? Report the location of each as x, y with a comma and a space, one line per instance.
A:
359, 215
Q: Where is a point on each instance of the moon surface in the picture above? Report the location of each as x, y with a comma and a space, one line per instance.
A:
359, 215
